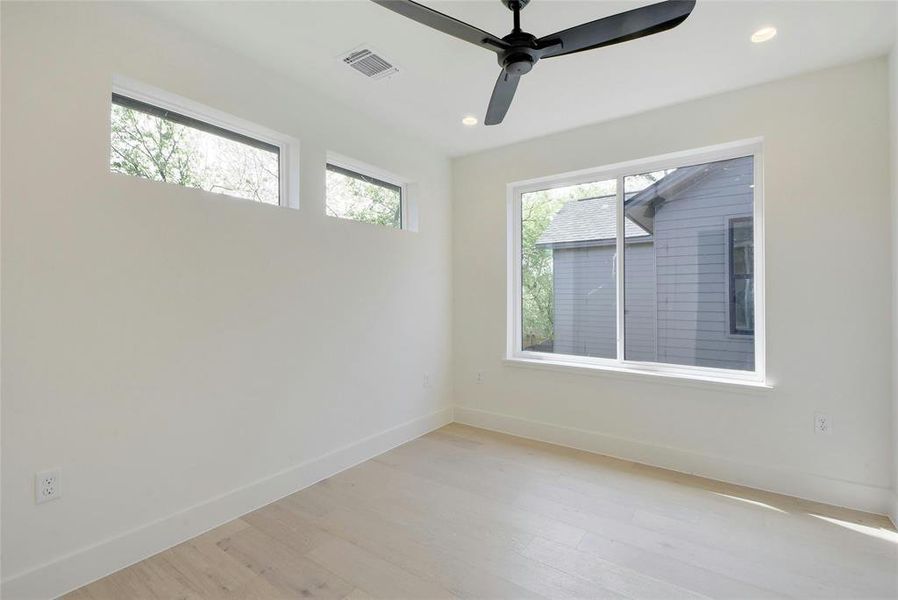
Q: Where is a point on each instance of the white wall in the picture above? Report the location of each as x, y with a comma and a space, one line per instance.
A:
828, 299
893, 103
165, 346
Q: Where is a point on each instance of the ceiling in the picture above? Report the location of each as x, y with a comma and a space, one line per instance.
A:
443, 79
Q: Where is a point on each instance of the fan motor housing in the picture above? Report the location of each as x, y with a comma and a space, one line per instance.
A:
518, 64
521, 56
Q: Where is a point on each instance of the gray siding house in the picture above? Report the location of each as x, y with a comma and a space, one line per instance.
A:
688, 270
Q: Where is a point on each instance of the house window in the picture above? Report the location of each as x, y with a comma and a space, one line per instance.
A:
355, 193
152, 140
740, 245
568, 281
648, 266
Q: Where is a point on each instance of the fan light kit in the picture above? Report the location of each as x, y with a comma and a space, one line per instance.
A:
469, 121
519, 51
763, 34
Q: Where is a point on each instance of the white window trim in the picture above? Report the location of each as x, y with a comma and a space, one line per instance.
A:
288, 174
405, 203
756, 378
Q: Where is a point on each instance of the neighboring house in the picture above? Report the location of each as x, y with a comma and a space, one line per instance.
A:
687, 270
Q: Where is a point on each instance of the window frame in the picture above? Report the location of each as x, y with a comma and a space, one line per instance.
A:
380, 176
514, 352
731, 277
288, 147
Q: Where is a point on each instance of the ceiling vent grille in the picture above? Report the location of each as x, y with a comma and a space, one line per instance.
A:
370, 64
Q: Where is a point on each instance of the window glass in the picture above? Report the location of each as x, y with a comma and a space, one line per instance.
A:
640, 302
688, 284
154, 143
568, 282
353, 195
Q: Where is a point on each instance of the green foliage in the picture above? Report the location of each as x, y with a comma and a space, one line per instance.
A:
537, 284
147, 146
537, 296
352, 198
150, 147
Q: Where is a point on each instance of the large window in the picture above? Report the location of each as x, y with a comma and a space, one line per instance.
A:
151, 139
649, 266
353, 193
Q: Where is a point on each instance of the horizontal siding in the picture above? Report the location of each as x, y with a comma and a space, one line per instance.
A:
692, 287
585, 301
640, 303
676, 288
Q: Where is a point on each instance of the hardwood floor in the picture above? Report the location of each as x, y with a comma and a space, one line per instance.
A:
467, 513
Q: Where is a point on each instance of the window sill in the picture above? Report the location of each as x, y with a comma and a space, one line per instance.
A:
636, 374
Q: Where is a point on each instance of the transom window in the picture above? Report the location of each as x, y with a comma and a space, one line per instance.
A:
159, 136
648, 266
357, 194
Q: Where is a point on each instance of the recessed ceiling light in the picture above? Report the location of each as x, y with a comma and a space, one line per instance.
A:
763, 34
469, 121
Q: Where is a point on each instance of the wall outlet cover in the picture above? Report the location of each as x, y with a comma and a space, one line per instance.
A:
47, 486
822, 423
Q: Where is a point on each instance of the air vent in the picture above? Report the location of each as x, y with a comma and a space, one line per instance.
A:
370, 64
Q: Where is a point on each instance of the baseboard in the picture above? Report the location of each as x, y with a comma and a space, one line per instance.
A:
808, 486
98, 560
893, 513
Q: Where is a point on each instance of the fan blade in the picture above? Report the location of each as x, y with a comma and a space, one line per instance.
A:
445, 23
501, 99
615, 29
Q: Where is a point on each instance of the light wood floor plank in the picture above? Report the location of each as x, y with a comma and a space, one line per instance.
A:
422, 554
494, 549
289, 571
468, 513
377, 577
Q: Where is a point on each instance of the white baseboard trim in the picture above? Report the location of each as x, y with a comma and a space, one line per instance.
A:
808, 486
79, 568
893, 513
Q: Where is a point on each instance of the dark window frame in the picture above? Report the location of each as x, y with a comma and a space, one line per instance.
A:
732, 276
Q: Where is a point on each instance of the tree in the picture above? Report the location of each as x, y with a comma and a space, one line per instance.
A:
353, 198
537, 293
148, 146
537, 283
537, 277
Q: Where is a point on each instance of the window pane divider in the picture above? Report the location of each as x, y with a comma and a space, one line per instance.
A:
619, 267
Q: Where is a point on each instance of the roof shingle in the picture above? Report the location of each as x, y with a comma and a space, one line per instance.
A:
587, 220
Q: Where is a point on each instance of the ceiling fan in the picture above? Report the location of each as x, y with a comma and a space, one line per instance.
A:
519, 51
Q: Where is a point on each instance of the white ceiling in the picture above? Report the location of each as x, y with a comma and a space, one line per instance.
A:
442, 79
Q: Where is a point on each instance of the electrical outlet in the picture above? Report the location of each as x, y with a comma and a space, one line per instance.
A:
480, 376
426, 380
822, 423
47, 486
